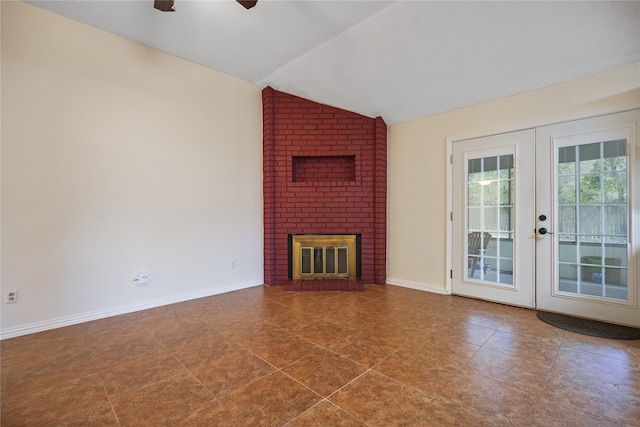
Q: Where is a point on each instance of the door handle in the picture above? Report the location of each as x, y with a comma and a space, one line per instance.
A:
543, 231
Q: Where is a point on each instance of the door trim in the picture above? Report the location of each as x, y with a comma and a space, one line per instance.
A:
533, 125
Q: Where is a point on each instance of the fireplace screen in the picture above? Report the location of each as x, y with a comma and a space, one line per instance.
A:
322, 256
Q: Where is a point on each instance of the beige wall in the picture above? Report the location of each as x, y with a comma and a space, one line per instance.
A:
117, 158
418, 217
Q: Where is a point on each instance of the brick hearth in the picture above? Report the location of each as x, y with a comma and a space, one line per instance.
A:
325, 172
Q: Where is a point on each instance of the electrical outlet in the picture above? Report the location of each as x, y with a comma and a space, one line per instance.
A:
233, 265
143, 278
11, 297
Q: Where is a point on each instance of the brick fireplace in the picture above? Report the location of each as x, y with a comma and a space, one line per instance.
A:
325, 173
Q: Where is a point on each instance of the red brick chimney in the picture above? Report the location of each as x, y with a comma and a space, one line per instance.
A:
325, 172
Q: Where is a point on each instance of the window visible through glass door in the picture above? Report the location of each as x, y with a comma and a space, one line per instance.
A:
490, 196
593, 219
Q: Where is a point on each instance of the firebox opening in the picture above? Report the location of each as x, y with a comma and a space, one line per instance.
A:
322, 256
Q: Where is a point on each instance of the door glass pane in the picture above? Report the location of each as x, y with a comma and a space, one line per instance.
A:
567, 189
590, 220
593, 219
567, 222
490, 198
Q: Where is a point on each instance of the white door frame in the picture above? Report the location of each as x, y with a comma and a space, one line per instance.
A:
449, 162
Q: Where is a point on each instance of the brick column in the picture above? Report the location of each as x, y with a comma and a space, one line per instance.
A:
380, 233
268, 185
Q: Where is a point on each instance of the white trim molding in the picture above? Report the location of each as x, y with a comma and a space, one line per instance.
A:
418, 286
101, 314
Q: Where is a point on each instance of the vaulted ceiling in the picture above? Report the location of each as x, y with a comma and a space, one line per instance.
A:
401, 60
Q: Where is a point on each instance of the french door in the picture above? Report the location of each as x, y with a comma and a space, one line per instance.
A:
493, 213
549, 218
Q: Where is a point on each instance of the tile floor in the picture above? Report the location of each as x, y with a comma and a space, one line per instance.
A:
389, 356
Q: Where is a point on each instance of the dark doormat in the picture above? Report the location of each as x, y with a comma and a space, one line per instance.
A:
326, 285
593, 328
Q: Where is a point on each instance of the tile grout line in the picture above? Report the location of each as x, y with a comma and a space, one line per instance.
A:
546, 383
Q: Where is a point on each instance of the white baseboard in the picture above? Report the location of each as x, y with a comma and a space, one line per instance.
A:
417, 285
101, 314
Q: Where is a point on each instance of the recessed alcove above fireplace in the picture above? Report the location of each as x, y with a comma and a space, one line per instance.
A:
324, 168
324, 173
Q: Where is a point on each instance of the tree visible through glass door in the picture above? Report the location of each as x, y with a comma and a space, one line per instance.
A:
593, 219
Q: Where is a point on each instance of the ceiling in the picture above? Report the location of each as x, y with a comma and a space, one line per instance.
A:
401, 60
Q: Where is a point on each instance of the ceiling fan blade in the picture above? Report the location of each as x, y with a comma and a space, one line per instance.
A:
248, 4
164, 5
